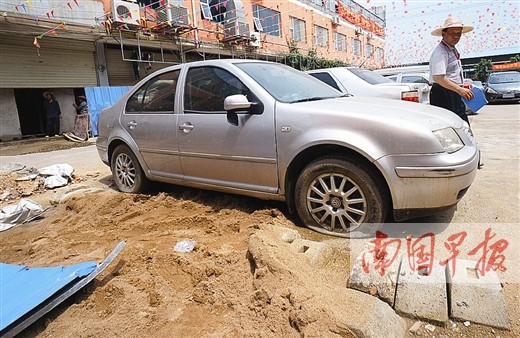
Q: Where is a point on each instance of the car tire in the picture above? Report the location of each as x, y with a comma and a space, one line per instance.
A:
352, 204
127, 173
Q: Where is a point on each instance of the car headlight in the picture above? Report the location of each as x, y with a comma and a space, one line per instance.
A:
449, 139
491, 90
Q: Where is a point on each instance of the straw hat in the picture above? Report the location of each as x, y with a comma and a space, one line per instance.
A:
452, 22
49, 93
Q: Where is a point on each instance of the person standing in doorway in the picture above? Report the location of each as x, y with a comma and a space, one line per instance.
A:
446, 73
52, 110
82, 107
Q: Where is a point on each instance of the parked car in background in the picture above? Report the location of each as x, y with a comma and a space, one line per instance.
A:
423, 77
503, 87
365, 82
266, 130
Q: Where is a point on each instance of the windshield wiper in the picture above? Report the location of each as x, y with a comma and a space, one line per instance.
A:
315, 98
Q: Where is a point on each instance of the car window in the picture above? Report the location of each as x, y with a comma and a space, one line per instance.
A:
156, 95
369, 76
287, 84
325, 77
413, 79
504, 78
393, 77
207, 87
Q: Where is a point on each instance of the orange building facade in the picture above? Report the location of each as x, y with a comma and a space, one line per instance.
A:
332, 29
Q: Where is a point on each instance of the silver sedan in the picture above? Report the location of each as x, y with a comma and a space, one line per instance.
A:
343, 164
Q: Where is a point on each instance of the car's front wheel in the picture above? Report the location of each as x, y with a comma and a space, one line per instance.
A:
340, 197
126, 171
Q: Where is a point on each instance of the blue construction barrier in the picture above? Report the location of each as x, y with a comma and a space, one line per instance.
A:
99, 98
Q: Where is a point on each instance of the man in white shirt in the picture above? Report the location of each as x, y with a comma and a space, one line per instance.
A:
446, 69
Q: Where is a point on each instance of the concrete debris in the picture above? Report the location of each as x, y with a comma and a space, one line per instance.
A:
477, 297
415, 327
424, 294
429, 327
384, 281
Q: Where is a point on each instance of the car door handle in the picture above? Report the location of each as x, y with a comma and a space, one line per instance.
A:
186, 127
132, 124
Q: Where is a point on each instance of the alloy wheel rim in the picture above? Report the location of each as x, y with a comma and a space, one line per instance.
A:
336, 203
125, 170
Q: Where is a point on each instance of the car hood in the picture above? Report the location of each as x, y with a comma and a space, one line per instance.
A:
405, 115
512, 87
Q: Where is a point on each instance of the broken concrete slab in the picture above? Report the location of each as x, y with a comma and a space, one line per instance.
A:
422, 293
315, 307
365, 275
310, 249
475, 297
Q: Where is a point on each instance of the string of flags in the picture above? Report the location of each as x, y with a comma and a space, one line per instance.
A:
52, 31
491, 20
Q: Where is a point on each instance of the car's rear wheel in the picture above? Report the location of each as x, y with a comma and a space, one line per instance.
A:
340, 197
126, 171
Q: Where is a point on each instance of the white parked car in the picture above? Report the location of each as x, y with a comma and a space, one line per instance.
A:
365, 82
423, 77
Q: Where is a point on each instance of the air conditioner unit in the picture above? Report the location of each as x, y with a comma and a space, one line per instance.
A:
125, 12
359, 31
236, 28
336, 20
255, 39
174, 14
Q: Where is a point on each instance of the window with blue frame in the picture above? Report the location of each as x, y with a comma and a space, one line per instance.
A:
214, 10
269, 20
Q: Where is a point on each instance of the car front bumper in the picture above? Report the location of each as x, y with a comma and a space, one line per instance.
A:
428, 182
500, 97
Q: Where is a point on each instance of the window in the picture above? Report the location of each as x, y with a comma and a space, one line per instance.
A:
214, 10
258, 25
297, 30
327, 4
269, 20
207, 87
368, 50
326, 78
340, 42
321, 36
380, 54
356, 46
414, 79
156, 95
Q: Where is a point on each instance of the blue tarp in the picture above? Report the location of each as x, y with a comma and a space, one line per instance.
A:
23, 288
99, 98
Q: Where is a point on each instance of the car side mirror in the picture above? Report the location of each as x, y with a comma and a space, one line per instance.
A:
234, 103
239, 104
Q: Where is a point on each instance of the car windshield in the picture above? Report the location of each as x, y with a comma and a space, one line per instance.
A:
287, 84
369, 76
504, 78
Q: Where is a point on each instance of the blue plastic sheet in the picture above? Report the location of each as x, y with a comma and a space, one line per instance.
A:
23, 288
99, 98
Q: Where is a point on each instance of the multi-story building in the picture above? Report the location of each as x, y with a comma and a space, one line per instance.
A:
65, 46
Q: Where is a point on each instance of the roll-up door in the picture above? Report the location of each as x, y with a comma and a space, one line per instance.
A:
58, 63
121, 72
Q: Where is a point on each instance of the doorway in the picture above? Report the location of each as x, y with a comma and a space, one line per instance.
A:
30, 111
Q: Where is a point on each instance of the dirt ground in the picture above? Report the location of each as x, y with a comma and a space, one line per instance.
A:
217, 290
